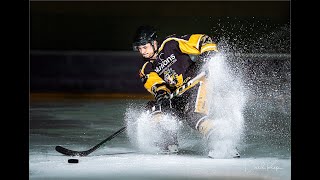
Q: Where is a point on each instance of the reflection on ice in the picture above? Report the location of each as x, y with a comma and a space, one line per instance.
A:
147, 166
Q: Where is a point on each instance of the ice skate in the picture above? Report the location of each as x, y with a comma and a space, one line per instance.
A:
170, 149
169, 145
168, 141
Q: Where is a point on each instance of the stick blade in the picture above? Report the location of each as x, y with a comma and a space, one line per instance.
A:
69, 152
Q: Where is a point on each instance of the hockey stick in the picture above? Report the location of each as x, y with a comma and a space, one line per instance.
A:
188, 85
177, 92
69, 152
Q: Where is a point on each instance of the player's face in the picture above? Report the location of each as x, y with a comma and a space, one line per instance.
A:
146, 50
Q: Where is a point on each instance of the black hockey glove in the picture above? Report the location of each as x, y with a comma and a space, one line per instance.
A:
163, 100
205, 56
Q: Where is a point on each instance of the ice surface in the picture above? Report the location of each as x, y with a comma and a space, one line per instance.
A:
152, 166
120, 159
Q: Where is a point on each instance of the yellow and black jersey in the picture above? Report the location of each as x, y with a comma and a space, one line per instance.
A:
174, 64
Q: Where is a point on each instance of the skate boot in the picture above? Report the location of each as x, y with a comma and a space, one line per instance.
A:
167, 140
169, 143
170, 149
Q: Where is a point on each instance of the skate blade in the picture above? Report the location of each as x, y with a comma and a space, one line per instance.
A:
237, 155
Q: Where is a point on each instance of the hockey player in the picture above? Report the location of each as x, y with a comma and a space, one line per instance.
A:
167, 66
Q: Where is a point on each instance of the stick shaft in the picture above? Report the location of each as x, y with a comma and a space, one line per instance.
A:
69, 152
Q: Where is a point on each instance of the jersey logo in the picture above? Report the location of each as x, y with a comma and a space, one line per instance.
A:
165, 63
170, 76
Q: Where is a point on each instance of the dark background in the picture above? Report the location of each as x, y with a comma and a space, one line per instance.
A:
85, 47
110, 25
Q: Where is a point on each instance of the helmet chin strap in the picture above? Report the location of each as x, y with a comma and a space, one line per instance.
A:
155, 51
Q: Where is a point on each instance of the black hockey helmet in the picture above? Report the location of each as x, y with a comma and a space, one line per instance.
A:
144, 35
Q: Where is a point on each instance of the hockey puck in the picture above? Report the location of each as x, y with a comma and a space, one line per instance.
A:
73, 160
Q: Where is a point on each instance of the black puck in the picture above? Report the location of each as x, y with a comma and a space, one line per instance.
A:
73, 160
